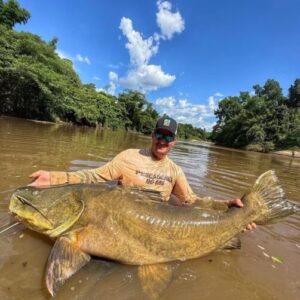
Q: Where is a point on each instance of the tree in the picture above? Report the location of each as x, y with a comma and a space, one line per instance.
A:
294, 95
11, 13
262, 121
36, 83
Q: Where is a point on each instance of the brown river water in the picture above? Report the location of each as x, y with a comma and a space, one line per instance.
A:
266, 267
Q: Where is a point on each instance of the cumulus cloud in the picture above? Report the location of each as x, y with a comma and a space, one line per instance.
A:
142, 75
165, 101
112, 76
168, 22
140, 50
183, 103
199, 115
83, 59
218, 94
111, 88
78, 57
63, 54
147, 78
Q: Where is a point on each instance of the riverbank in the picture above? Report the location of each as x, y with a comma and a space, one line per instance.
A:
291, 153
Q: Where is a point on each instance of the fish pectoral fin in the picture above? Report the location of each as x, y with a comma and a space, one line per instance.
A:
155, 279
234, 243
65, 259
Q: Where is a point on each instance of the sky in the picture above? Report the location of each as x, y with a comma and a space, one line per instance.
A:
185, 55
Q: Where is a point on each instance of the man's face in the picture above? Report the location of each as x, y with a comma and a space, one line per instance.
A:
160, 144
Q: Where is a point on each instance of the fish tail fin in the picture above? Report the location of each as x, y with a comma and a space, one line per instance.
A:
270, 198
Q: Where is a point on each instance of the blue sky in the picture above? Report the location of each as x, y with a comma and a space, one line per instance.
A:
186, 55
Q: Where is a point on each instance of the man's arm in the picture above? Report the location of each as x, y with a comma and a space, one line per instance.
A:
110, 171
185, 194
210, 203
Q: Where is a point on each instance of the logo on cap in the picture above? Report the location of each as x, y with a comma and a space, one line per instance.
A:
167, 122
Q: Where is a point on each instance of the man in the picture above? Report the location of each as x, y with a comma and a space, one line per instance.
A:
147, 168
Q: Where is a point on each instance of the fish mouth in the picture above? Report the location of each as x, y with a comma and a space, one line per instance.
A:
24, 201
27, 216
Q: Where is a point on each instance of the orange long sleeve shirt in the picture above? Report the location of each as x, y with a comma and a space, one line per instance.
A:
135, 167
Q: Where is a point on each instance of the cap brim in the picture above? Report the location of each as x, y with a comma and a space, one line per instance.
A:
164, 128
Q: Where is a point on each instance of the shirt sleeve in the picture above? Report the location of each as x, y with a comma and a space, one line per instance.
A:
110, 171
210, 203
182, 189
185, 194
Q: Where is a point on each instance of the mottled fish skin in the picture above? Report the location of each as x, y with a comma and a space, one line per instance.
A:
126, 225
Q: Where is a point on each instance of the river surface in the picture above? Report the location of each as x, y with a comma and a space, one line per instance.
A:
266, 267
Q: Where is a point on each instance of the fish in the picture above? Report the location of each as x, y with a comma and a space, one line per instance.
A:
130, 226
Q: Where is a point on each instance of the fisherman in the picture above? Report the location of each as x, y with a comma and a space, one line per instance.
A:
150, 169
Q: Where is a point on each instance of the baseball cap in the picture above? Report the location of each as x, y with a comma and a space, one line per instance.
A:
167, 123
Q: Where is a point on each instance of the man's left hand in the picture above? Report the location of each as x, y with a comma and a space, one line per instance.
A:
239, 203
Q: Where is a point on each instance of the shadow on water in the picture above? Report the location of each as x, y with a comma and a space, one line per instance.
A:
250, 273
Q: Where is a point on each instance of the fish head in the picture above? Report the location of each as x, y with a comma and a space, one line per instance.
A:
50, 211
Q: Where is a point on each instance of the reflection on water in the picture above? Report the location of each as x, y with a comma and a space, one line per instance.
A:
249, 273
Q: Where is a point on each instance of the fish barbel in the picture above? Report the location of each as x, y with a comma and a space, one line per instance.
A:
126, 225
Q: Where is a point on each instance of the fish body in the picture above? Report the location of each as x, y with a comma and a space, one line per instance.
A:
127, 225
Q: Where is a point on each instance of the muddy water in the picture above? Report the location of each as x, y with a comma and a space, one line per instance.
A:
249, 273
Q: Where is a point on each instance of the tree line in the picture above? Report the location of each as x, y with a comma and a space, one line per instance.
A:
36, 83
263, 121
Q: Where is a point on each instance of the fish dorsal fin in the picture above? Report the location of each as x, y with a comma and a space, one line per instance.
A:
67, 224
155, 279
65, 259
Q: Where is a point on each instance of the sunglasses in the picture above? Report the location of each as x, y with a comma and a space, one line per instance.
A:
167, 137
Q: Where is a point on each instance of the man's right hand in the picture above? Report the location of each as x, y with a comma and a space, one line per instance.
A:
40, 178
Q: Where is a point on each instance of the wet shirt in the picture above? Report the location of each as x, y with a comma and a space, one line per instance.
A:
138, 168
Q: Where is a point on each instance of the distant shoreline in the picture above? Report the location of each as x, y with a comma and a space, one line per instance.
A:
289, 153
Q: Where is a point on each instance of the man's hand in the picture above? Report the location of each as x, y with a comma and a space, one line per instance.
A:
40, 178
239, 203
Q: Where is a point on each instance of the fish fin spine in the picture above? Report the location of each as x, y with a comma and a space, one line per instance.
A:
271, 199
65, 259
234, 243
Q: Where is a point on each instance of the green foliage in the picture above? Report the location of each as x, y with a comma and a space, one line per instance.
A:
263, 122
36, 83
138, 112
187, 131
294, 95
11, 13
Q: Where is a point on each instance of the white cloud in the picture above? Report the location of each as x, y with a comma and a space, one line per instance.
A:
218, 94
211, 103
78, 57
84, 59
147, 78
142, 75
166, 101
112, 76
63, 54
140, 50
96, 78
183, 103
111, 88
108, 89
199, 115
168, 22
